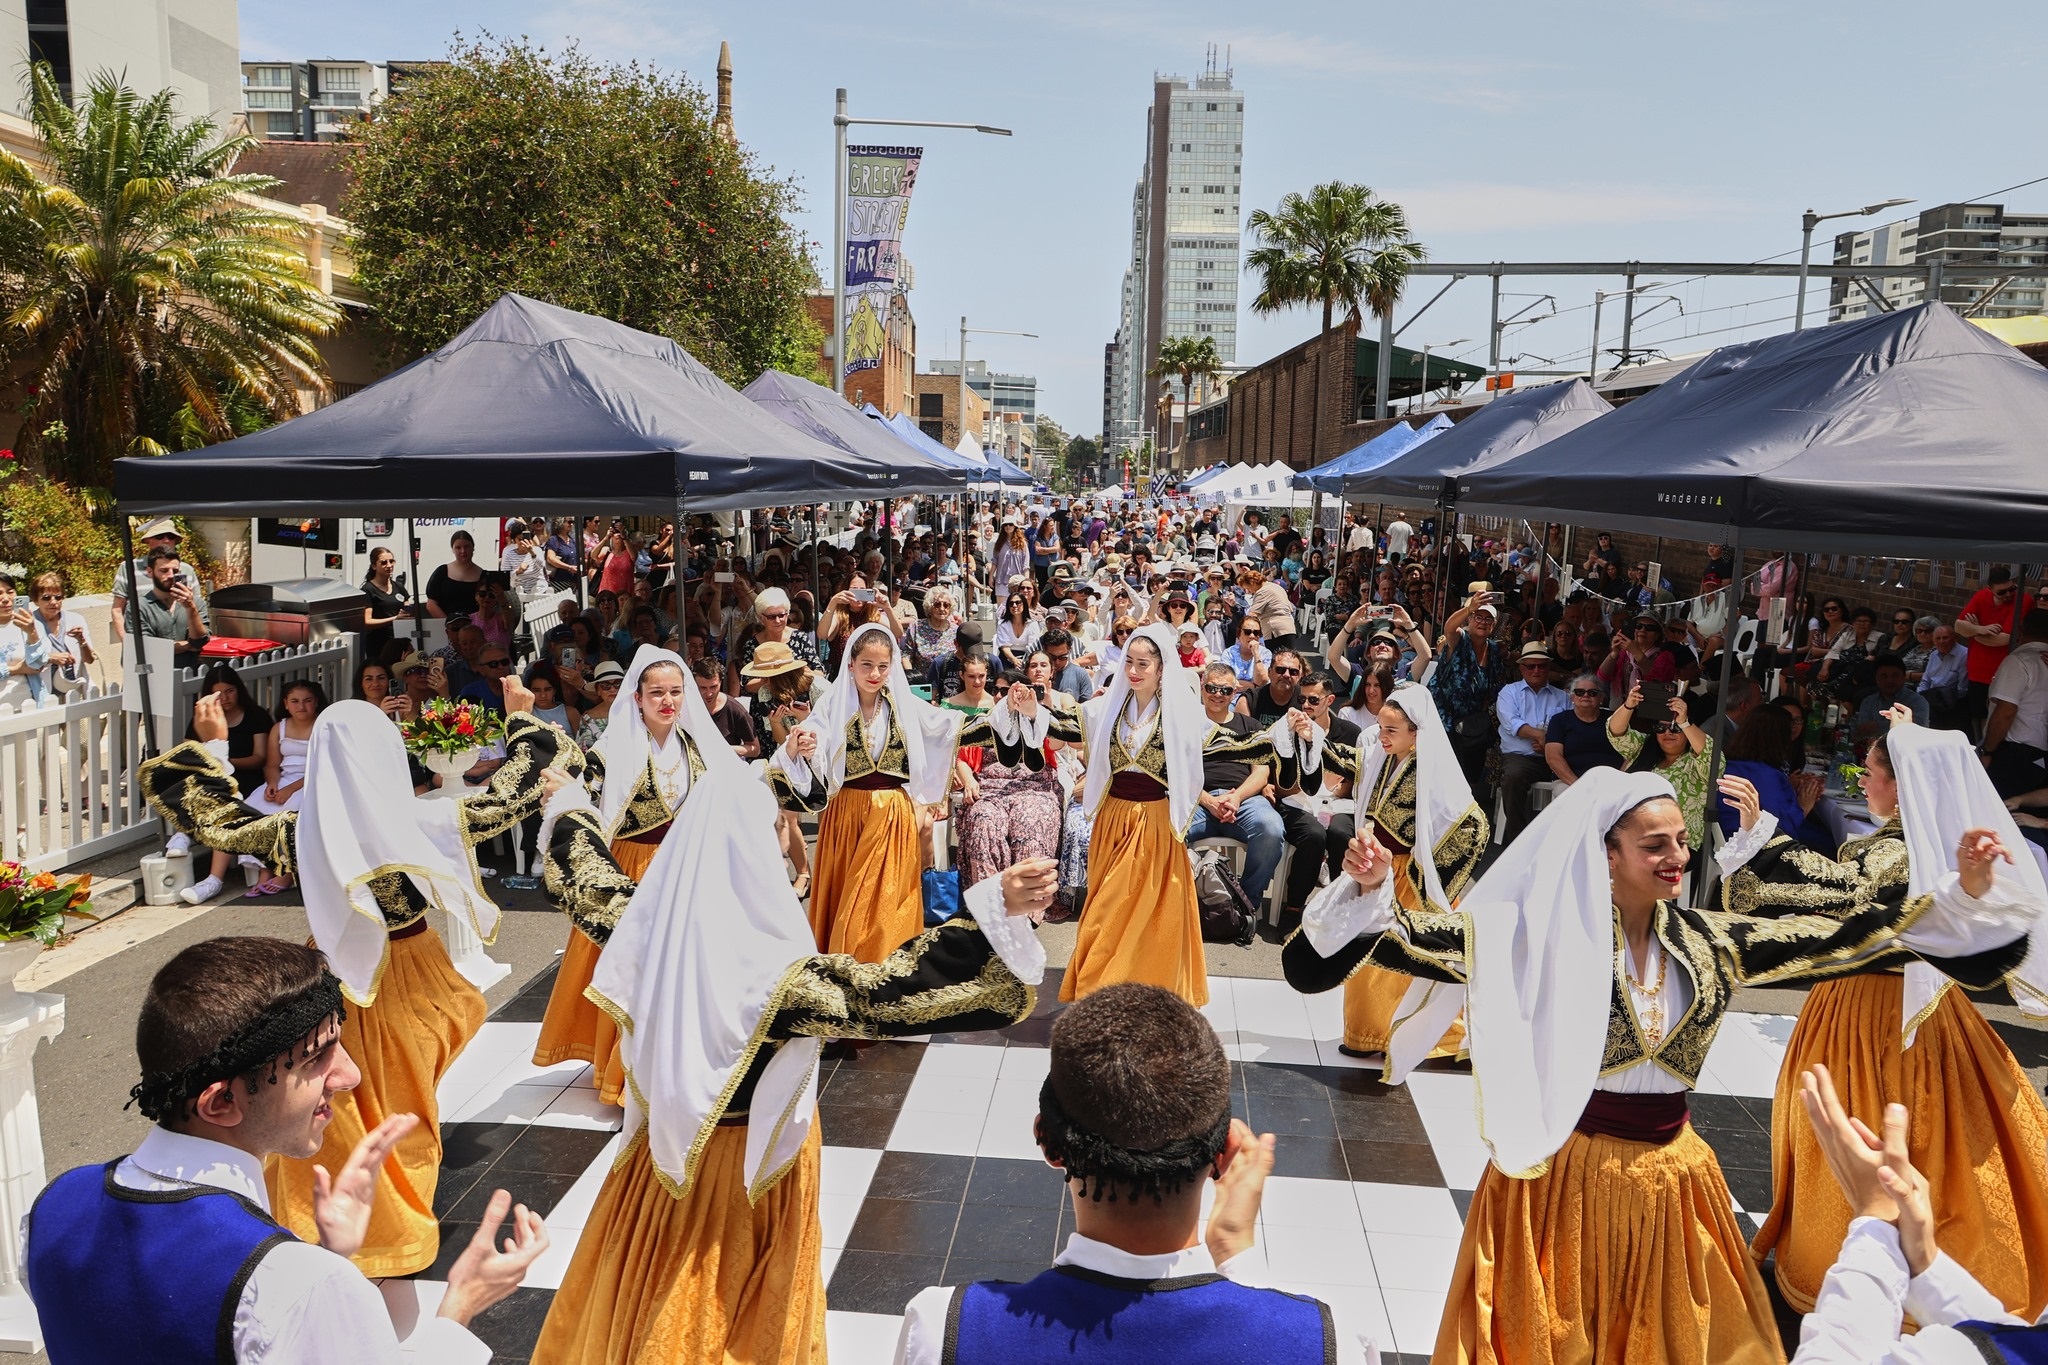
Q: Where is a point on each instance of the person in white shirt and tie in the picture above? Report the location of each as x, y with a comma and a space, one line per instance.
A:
171, 1255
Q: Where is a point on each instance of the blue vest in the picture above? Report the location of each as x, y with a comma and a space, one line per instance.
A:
2012, 1345
121, 1276
1083, 1317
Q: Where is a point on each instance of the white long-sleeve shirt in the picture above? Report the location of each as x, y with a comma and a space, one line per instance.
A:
923, 1338
1856, 1319
303, 1305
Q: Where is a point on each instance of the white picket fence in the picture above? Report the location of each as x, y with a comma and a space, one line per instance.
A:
67, 771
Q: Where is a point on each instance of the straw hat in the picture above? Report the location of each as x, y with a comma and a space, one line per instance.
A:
772, 658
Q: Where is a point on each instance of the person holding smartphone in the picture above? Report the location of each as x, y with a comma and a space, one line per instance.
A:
169, 611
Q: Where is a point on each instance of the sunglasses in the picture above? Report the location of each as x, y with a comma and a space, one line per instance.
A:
1670, 727
1251, 632
1585, 691
1902, 620
1215, 691
1285, 672
1831, 611
494, 663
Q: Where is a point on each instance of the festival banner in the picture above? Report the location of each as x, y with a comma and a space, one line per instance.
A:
878, 185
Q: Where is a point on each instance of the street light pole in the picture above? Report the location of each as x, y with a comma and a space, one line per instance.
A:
1808, 221
841, 121
1422, 395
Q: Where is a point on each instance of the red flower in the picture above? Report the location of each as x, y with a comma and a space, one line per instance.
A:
465, 726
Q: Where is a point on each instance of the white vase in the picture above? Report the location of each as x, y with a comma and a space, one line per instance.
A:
15, 956
26, 1019
450, 768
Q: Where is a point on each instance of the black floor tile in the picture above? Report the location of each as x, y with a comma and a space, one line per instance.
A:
1752, 1189
865, 1089
906, 1227
1033, 1032
967, 1269
1393, 1163
1745, 1147
1310, 1158
1304, 1082
1049, 1002
1292, 1115
894, 1057
454, 1240
983, 1038
1392, 1119
844, 1125
991, 1232
477, 1144
1723, 1112
2028, 1042
555, 1151
1463, 1199
1011, 1183
511, 1327
879, 1282
538, 1190
929, 1176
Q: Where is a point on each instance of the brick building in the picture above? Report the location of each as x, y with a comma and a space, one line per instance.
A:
936, 408
888, 387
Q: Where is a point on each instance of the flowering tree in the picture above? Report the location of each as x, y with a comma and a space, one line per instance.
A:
599, 188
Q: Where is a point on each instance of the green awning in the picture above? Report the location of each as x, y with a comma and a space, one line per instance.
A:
1405, 374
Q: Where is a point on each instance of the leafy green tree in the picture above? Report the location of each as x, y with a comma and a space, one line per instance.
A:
147, 299
1192, 358
1339, 244
599, 188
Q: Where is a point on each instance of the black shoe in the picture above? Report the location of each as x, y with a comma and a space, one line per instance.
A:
1350, 1051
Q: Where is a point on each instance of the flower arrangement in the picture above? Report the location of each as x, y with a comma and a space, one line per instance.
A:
34, 906
451, 727
1852, 781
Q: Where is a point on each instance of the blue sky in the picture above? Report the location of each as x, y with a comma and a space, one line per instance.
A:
1653, 129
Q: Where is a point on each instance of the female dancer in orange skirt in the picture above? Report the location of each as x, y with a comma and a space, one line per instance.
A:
1603, 1229
870, 755
1413, 794
1979, 1131
371, 859
1144, 740
641, 768
704, 1245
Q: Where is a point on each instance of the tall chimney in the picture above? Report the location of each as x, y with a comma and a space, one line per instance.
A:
721, 121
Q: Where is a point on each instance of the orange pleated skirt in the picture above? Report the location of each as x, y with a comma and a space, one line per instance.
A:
1623, 1253
703, 1280
1979, 1134
573, 1029
424, 1014
1140, 922
1372, 995
867, 887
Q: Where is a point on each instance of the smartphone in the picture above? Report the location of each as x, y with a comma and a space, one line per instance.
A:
1656, 707
572, 657
863, 594
721, 578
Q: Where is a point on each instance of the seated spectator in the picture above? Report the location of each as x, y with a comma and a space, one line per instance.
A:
248, 752
1189, 642
1760, 753
605, 681
1526, 712
1007, 813
2016, 732
1851, 661
945, 674
1248, 658
1369, 691
1890, 1264
931, 639
1923, 645
1135, 1112
169, 609
974, 697
549, 700
1945, 680
1679, 756
729, 714
1017, 633
1282, 690
1888, 673
1233, 804
1067, 676
284, 765
458, 657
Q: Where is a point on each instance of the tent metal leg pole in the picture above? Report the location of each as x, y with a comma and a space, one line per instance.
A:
1717, 737
1542, 569
135, 662
814, 573
419, 606
582, 578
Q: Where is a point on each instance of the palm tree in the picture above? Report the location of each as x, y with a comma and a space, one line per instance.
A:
143, 291
1191, 358
1337, 244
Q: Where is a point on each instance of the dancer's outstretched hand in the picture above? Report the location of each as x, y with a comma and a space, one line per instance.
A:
342, 1203
1875, 1173
1978, 854
1029, 886
1240, 1184
518, 696
486, 1273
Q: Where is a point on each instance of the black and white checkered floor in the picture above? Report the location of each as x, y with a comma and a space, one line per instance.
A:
930, 1175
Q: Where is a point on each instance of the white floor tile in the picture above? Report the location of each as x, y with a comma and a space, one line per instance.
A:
961, 1059
1272, 1049
860, 1338
923, 1130
1357, 1309
836, 1214
579, 1107
1330, 1255
495, 1047
1290, 1201
1406, 1262
1463, 1163
1741, 1061
551, 1265
1025, 1064
1328, 1055
847, 1170
1414, 1315
828, 1261
506, 1104
944, 1094
1416, 1209
1221, 1011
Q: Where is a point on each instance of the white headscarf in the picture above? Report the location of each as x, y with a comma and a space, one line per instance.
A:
693, 966
359, 820
931, 734
1540, 971
625, 746
1442, 796
1185, 726
1943, 792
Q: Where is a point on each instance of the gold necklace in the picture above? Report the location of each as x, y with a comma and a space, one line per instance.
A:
1651, 1014
665, 779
